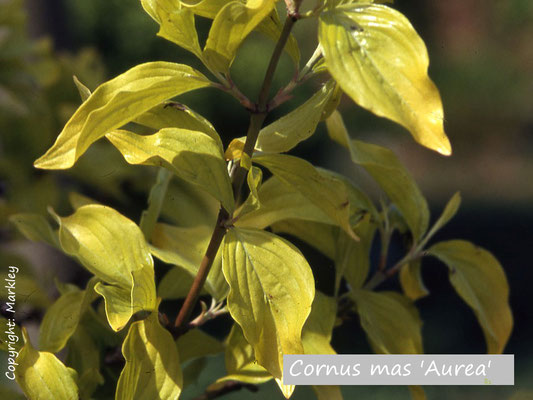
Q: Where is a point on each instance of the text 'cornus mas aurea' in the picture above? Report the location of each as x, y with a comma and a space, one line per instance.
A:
254, 277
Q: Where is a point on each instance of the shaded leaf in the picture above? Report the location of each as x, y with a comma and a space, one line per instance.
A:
84, 357
391, 322
379, 60
185, 247
383, 165
240, 361
116, 103
271, 27
449, 212
271, 292
35, 227
479, 279
196, 343
411, 280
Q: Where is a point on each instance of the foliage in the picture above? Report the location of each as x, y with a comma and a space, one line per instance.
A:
256, 278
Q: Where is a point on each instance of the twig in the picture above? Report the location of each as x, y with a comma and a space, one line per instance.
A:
256, 121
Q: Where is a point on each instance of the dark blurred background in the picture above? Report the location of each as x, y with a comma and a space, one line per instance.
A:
481, 59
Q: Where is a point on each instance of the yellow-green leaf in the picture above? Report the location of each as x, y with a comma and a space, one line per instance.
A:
175, 284
298, 125
35, 227
230, 27
449, 212
327, 392
197, 344
254, 178
271, 292
116, 103
323, 237
84, 91
176, 23
205, 8
411, 280
318, 328
352, 259
42, 376
323, 190
113, 248
176, 115
61, 321
84, 357
390, 320
152, 369
479, 279
417, 393
185, 247
278, 202
379, 60
271, 27
240, 360
316, 338
383, 165
192, 155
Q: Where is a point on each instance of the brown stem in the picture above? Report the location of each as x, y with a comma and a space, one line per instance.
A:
238, 177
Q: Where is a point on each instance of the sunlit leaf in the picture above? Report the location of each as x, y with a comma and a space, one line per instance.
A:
324, 191
205, 8
176, 115
152, 369
117, 102
176, 23
84, 91
113, 248
254, 178
42, 376
230, 27
379, 60
294, 127
479, 279
185, 247
271, 292
192, 155
390, 320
